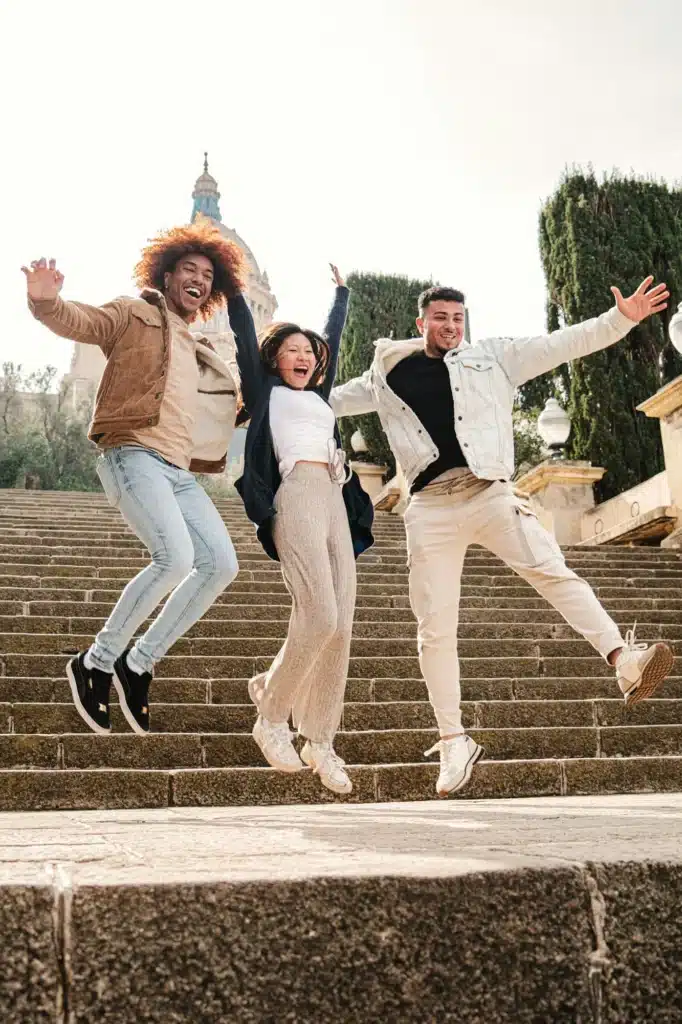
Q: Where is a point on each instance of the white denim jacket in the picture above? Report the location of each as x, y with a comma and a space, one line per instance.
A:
675, 329
484, 378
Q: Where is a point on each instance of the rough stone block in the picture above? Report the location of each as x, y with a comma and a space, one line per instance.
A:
80, 790
346, 950
30, 978
643, 933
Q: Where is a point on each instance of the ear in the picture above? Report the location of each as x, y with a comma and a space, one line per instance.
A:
420, 325
166, 278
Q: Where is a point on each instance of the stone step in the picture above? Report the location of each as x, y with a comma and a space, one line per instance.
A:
505, 690
401, 746
401, 629
366, 603
75, 789
236, 666
34, 717
267, 647
473, 610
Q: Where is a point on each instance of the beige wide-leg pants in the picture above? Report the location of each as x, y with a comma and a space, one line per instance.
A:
440, 527
312, 536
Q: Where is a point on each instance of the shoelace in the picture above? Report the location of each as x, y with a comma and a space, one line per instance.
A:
631, 643
338, 470
443, 745
281, 735
330, 760
434, 748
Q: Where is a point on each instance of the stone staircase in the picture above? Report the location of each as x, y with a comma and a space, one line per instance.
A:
545, 707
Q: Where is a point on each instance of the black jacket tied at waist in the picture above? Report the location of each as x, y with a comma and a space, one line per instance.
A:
261, 477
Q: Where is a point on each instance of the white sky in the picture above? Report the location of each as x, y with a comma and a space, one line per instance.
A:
403, 136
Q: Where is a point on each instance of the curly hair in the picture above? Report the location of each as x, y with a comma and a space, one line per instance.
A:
160, 257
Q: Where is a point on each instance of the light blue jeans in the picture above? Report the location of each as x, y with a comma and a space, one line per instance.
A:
192, 554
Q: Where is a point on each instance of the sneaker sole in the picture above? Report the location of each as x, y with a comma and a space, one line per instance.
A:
327, 785
80, 707
287, 769
659, 667
127, 713
476, 756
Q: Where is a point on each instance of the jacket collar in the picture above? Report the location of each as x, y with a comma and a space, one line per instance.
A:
388, 352
156, 298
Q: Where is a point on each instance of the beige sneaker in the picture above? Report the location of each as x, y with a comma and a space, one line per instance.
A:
324, 760
641, 669
274, 740
457, 759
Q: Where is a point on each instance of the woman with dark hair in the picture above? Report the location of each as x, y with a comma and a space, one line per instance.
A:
312, 515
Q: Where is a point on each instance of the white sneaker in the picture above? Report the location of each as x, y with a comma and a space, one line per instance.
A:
324, 760
457, 759
274, 740
640, 670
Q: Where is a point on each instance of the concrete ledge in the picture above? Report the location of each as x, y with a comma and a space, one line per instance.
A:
523, 911
653, 525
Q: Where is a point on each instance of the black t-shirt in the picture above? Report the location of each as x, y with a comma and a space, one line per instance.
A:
424, 384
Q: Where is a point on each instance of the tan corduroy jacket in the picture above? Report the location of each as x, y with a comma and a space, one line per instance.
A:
135, 337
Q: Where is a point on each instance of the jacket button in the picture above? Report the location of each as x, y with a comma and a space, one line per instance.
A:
459, 417
457, 389
159, 394
150, 421
466, 444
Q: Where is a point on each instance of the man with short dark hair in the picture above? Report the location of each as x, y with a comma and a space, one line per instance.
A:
165, 409
446, 407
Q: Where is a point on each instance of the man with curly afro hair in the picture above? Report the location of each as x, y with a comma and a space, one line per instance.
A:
165, 409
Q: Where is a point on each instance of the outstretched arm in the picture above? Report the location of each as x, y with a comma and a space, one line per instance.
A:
333, 328
354, 398
93, 325
525, 358
251, 370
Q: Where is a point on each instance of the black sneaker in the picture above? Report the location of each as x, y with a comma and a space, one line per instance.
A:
133, 694
90, 692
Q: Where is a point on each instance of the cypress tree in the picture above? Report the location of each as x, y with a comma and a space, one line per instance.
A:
593, 235
381, 306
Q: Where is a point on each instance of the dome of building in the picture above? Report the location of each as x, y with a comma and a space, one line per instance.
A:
263, 303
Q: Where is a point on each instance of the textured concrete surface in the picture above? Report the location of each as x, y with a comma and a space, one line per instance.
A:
30, 970
535, 911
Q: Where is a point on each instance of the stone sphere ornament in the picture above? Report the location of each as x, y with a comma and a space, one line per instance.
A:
358, 443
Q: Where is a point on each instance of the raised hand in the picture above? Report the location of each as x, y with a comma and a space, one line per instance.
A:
644, 301
43, 280
338, 280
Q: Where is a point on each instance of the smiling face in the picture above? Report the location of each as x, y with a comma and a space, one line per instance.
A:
442, 327
188, 286
296, 361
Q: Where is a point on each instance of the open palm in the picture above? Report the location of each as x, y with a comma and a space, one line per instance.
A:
43, 280
645, 301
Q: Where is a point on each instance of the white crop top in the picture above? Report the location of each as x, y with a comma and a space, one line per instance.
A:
301, 424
